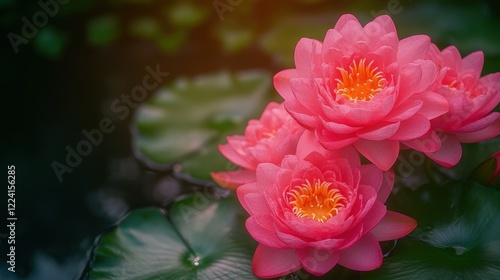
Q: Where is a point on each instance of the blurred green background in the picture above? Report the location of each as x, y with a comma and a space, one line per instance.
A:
62, 75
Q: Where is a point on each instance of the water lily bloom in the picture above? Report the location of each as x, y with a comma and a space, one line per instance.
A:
268, 139
471, 100
320, 211
363, 86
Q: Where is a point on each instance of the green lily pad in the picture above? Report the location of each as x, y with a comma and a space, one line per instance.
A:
200, 238
458, 236
184, 123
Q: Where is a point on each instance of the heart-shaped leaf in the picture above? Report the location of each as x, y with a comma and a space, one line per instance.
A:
458, 236
200, 238
185, 122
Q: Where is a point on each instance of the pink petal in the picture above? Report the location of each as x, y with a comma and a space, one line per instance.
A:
305, 93
489, 132
348, 26
451, 58
266, 175
386, 22
344, 19
412, 128
282, 82
380, 131
231, 154
376, 213
405, 111
244, 190
393, 226
255, 203
412, 48
428, 143
360, 113
317, 261
269, 262
309, 143
306, 119
307, 57
261, 228
291, 240
491, 84
339, 128
474, 62
434, 105
479, 124
332, 42
450, 152
417, 76
364, 255
410, 76
371, 176
381, 153
386, 188
233, 179
334, 141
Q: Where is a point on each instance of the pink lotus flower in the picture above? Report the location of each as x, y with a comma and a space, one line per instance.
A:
471, 101
268, 139
320, 211
365, 87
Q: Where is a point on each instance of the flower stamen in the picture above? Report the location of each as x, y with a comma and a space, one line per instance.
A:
360, 82
316, 201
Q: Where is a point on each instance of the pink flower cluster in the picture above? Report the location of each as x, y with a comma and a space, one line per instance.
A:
362, 91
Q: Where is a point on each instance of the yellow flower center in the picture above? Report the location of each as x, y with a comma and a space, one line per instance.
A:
360, 82
316, 201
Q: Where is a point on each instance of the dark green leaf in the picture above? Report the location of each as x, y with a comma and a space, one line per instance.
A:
201, 238
458, 236
185, 122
